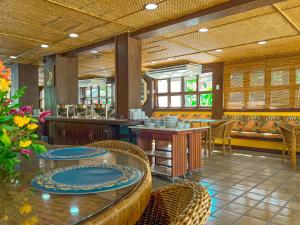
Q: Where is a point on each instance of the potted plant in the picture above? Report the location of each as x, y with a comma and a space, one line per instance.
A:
18, 129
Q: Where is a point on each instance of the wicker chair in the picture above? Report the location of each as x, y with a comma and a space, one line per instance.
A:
121, 145
222, 131
287, 132
178, 204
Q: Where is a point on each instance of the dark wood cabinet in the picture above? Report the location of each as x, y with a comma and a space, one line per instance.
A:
64, 133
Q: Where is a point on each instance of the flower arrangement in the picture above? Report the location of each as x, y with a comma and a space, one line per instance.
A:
18, 136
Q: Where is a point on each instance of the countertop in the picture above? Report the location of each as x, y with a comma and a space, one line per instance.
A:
168, 129
94, 121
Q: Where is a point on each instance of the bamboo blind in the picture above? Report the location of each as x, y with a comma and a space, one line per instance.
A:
268, 83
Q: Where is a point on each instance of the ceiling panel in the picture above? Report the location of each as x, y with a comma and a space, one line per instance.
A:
246, 31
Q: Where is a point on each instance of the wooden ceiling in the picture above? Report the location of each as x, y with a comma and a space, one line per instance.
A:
25, 24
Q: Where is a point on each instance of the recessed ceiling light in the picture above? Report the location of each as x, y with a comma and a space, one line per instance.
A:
219, 50
150, 6
153, 62
203, 30
13, 57
94, 51
262, 42
44, 46
73, 35
170, 59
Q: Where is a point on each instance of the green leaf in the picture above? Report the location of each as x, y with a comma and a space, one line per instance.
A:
9, 128
4, 139
19, 93
38, 148
34, 120
6, 118
34, 136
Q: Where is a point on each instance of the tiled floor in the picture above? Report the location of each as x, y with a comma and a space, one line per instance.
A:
249, 188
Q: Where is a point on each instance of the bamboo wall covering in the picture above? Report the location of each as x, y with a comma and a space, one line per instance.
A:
268, 83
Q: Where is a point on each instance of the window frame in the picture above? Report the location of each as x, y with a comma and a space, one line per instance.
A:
182, 93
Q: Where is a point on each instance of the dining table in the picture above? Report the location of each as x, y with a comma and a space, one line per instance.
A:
22, 204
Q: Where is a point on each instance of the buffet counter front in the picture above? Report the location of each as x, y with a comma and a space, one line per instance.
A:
81, 131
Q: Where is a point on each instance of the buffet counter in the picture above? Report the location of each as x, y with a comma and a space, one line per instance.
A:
81, 131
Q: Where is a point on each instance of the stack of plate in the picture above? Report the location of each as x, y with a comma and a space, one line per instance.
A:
158, 122
170, 121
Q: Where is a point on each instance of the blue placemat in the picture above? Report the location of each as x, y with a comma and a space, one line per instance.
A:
73, 153
86, 179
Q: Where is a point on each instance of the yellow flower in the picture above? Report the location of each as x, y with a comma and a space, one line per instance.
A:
21, 121
4, 84
32, 221
25, 209
24, 144
32, 126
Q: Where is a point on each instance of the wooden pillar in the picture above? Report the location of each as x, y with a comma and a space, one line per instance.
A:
128, 74
26, 75
218, 76
61, 81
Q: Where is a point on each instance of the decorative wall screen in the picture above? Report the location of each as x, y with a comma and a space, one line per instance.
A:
263, 84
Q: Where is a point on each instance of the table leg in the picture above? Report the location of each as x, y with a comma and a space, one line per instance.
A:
209, 142
179, 155
195, 151
294, 151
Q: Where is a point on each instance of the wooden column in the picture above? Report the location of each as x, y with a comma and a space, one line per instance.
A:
61, 81
128, 74
218, 76
26, 75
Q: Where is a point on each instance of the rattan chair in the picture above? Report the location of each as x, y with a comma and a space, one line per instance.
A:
121, 145
222, 131
178, 204
287, 132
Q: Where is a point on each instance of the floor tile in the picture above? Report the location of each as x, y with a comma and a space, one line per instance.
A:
268, 207
246, 220
275, 201
253, 196
261, 214
225, 196
246, 202
235, 208
225, 215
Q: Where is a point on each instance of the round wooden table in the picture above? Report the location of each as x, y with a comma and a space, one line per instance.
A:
21, 204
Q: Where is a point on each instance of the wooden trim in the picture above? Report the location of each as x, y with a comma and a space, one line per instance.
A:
263, 110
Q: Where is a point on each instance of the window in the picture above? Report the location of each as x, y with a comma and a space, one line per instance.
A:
162, 86
236, 100
279, 77
163, 101
269, 84
237, 80
297, 76
185, 92
176, 85
100, 94
206, 100
257, 78
175, 101
190, 84
256, 99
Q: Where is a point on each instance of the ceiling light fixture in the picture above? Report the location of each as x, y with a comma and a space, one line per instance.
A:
44, 46
170, 59
153, 62
150, 6
13, 57
262, 42
219, 50
94, 51
73, 35
203, 30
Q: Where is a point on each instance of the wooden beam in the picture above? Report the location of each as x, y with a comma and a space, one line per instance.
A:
216, 12
287, 18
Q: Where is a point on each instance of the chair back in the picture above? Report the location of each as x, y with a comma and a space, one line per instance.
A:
287, 132
228, 129
178, 204
222, 129
123, 146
